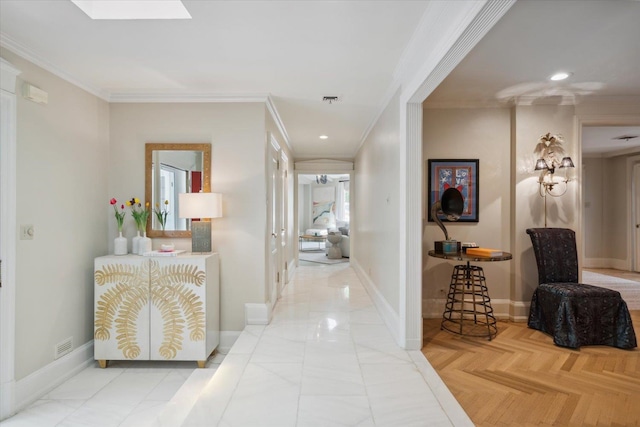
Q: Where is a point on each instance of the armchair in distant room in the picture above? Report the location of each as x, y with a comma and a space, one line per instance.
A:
574, 314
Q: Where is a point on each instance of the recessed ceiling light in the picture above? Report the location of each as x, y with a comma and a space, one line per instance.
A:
559, 76
324, 137
133, 9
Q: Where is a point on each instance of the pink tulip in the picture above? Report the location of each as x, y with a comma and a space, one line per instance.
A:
113, 201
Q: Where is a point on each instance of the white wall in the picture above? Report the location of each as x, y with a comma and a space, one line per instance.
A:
606, 203
528, 123
376, 223
62, 162
482, 134
237, 135
592, 203
503, 139
304, 207
616, 184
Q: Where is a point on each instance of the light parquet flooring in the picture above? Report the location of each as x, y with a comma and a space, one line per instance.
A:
622, 274
521, 378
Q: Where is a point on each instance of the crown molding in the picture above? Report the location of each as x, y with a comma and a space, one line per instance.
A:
163, 97
206, 98
37, 59
271, 108
610, 99
466, 104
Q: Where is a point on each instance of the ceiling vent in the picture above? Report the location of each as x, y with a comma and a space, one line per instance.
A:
330, 99
625, 137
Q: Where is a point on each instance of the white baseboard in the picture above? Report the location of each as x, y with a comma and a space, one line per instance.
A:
32, 387
618, 264
519, 311
257, 314
7, 392
433, 308
503, 309
594, 263
389, 316
227, 339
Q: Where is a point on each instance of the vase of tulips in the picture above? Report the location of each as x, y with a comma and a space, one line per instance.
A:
120, 242
140, 213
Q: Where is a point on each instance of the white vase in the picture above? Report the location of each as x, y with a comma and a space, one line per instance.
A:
135, 243
144, 244
120, 245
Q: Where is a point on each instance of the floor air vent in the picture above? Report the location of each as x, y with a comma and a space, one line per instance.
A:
63, 348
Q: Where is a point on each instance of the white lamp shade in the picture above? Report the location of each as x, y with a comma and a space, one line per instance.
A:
200, 205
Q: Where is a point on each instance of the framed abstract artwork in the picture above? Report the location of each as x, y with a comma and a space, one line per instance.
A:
462, 174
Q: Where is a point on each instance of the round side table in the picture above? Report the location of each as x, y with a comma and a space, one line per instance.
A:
468, 310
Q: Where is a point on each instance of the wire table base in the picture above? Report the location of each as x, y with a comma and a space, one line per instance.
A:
468, 310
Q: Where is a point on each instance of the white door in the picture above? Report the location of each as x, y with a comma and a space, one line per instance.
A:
636, 204
7, 240
283, 208
273, 282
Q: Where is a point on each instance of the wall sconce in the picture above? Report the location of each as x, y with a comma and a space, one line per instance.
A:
199, 207
549, 148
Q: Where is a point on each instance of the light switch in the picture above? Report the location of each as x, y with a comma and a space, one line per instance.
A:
27, 232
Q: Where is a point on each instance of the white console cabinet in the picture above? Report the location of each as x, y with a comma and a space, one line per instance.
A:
156, 308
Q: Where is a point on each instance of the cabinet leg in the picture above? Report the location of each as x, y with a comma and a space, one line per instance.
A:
201, 363
102, 363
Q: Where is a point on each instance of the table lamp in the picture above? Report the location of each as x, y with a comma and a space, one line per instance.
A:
199, 207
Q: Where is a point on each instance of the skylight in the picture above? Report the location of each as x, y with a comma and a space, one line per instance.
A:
133, 9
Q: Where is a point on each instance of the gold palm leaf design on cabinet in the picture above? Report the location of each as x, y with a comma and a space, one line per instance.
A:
169, 289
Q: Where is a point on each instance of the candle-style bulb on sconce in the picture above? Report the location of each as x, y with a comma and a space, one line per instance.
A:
541, 165
567, 163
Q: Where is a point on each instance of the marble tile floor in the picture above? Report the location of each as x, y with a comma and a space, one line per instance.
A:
326, 359
126, 394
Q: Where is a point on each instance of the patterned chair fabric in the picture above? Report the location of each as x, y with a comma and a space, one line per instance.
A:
575, 314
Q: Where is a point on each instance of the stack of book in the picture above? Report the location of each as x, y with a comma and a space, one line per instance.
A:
486, 252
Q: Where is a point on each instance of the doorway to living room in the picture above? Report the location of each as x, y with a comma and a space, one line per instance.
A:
323, 211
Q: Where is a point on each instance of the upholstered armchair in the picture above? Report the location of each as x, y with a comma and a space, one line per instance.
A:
575, 314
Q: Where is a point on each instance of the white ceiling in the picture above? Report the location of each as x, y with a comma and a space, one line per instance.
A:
597, 41
299, 51
296, 51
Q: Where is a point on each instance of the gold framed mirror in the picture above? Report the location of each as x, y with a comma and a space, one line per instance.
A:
183, 168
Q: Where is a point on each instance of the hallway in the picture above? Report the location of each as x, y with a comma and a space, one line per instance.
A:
326, 359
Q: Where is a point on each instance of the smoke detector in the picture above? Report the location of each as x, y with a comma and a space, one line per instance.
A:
330, 99
625, 137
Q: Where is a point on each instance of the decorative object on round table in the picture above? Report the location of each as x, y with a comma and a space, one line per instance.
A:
334, 251
451, 204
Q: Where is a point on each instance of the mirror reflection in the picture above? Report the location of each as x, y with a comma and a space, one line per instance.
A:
171, 169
